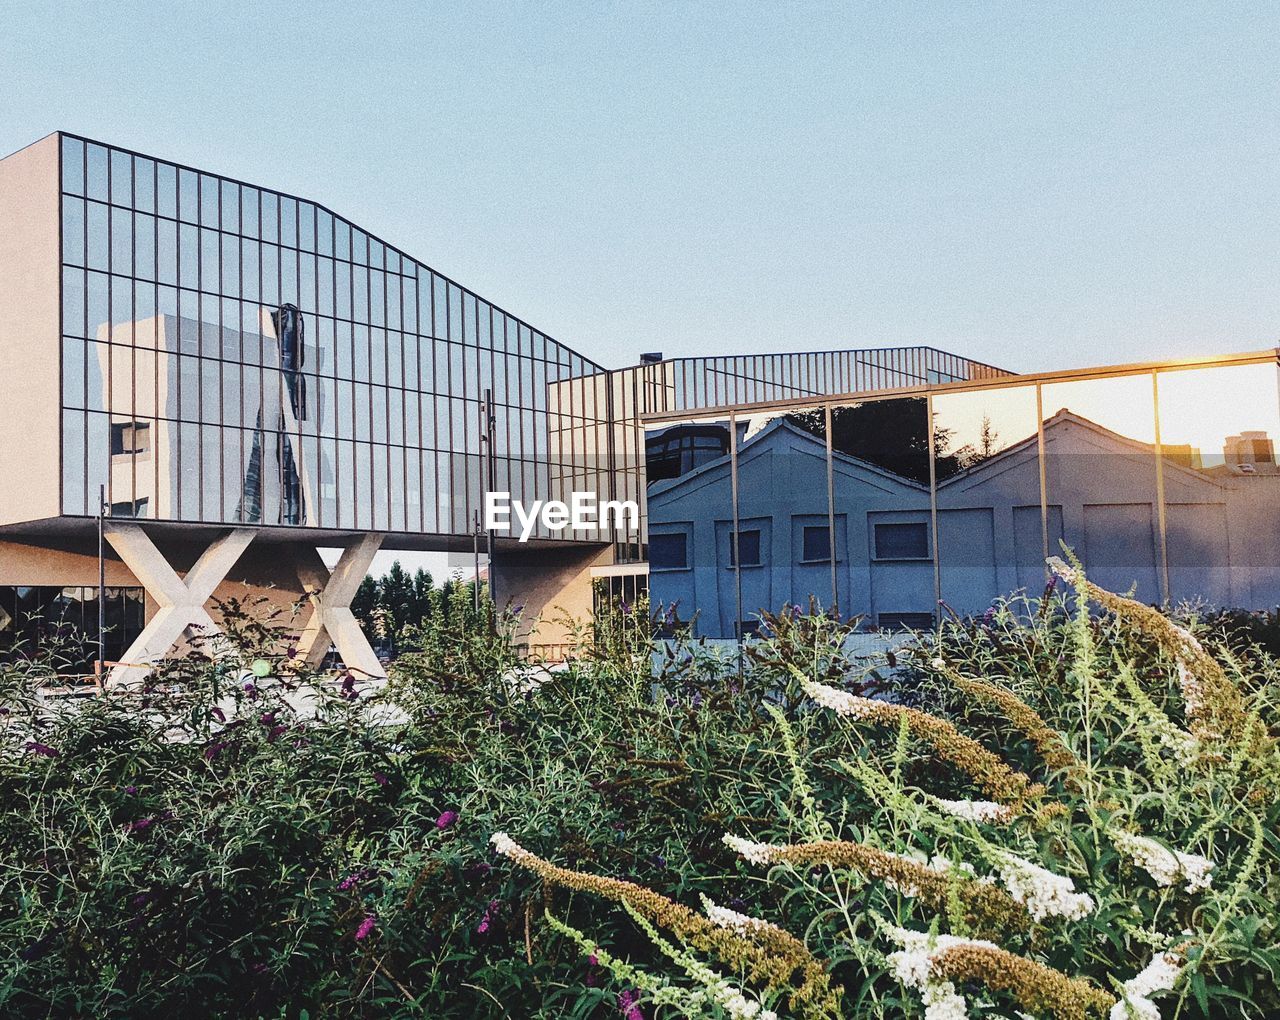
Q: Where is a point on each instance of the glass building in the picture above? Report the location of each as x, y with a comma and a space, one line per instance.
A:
245, 376
897, 505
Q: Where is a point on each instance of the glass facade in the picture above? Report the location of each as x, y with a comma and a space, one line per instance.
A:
893, 508
233, 355
61, 623
236, 355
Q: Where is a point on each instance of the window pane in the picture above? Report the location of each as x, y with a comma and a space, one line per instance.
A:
990, 539
817, 544
748, 548
668, 552
1218, 428
1100, 470
907, 541
73, 166
880, 472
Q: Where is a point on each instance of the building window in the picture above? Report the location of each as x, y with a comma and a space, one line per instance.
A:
130, 437
749, 628
905, 621
59, 625
902, 541
668, 552
683, 449
130, 508
748, 548
816, 545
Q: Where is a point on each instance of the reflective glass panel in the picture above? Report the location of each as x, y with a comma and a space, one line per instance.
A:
1218, 429
880, 481
990, 540
1100, 472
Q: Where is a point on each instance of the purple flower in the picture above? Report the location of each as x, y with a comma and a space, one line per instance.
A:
218, 714
141, 825
268, 718
629, 1005
349, 687
215, 749
35, 747
366, 927
251, 689
276, 731
488, 918
380, 778
446, 819
351, 880
131, 790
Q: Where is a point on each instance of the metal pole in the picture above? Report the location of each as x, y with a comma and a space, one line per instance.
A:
102, 583
475, 552
491, 481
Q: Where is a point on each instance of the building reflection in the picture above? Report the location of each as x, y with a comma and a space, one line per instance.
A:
1164, 483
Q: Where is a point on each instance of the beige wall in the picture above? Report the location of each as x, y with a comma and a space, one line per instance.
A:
30, 293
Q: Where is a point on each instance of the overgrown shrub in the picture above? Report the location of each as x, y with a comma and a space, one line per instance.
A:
240, 845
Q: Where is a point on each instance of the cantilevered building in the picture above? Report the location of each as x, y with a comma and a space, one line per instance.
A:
245, 376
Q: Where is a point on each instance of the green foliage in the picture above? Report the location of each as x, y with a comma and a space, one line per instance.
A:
156, 857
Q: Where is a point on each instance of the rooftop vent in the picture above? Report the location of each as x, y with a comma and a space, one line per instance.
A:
652, 358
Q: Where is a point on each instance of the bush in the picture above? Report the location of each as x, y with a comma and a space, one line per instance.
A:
234, 848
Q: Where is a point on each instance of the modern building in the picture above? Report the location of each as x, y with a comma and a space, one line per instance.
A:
236, 377
225, 379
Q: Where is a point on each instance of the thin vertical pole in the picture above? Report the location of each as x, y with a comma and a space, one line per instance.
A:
737, 560
475, 553
831, 513
1166, 594
1044, 482
491, 481
933, 509
102, 584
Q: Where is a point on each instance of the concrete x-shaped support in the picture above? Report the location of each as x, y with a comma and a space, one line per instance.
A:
181, 600
331, 616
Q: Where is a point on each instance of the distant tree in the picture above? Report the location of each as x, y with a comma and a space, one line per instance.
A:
364, 605
422, 585
397, 595
988, 443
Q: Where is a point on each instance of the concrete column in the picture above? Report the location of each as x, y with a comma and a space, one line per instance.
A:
181, 600
553, 585
331, 617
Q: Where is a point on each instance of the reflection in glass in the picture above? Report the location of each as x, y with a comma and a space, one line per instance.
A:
782, 493
990, 539
1218, 429
880, 489
689, 507
1100, 471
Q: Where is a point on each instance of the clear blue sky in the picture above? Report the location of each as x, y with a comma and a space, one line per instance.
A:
1039, 186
